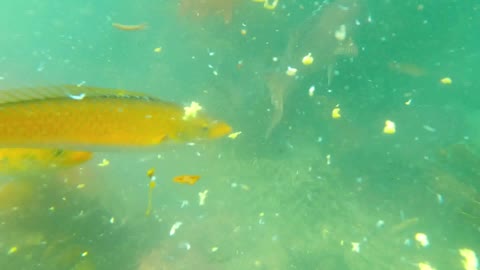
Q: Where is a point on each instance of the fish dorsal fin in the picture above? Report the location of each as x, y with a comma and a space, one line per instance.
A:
65, 91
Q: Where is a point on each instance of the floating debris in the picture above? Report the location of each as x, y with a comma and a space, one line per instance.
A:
234, 135
240, 64
245, 187
151, 185
470, 261
84, 254
12, 250
336, 113
307, 59
422, 239
291, 71
151, 173
439, 198
80, 186
380, 223
192, 110
271, 6
185, 245
429, 128
389, 127
341, 33
175, 227
185, 203
82, 83
425, 266
311, 90
446, 80
202, 196
356, 247
77, 97
157, 50
267, 5
105, 162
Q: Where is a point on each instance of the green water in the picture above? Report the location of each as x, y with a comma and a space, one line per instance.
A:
296, 199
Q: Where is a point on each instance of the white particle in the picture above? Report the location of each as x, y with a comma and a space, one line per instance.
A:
175, 227
80, 84
77, 97
429, 128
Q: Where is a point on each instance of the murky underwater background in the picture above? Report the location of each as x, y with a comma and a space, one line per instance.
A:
316, 193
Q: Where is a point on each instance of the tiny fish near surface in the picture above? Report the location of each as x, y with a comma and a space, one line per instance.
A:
50, 117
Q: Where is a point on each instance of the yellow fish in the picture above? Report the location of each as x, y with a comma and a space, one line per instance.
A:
75, 117
21, 160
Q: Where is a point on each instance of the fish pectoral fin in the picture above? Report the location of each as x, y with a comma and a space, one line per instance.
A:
159, 139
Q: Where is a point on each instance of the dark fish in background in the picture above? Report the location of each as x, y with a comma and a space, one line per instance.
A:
326, 36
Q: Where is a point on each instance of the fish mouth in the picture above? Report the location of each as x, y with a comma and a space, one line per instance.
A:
219, 130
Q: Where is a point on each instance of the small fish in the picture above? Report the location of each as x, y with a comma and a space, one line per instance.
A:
31, 160
132, 27
186, 179
103, 119
408, 69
